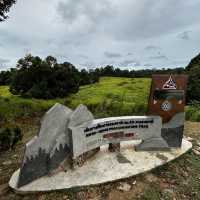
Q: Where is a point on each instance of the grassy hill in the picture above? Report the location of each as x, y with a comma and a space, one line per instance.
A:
112, 96
13, 106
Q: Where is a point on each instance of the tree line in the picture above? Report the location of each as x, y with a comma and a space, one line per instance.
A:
47, 79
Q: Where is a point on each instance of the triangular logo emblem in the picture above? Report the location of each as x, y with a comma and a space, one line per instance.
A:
170, 84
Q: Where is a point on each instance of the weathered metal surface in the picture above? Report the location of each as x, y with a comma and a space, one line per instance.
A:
167, 97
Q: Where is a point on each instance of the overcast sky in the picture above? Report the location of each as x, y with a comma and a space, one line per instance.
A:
126, 33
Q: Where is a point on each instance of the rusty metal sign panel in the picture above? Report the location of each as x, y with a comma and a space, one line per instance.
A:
167, 97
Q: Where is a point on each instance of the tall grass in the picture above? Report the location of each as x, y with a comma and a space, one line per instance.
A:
114, 96
13, 106
193, 111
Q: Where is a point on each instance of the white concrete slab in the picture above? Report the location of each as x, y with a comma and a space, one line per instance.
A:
104, 167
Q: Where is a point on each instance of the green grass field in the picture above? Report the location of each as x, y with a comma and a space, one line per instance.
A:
13, 106
112, 96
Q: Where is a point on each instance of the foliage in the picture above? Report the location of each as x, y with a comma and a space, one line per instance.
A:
17, 136
195, 104
4, 8
9, 138
195, 62
193, 111
88, 77
114, 96
14, 106
5, 139
152, 193
193, 70
6, 76
47, 79
144, 73
111, 96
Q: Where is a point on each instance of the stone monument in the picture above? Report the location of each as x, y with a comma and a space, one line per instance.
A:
67, 138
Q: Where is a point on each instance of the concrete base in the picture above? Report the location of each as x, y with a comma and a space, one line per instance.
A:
104, 167
153, 144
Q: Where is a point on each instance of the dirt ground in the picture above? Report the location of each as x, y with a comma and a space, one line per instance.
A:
178, 180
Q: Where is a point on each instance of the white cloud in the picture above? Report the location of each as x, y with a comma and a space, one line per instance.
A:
103, 31
185, 35
112, 55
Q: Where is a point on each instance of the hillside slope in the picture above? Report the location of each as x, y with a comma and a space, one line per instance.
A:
111, 96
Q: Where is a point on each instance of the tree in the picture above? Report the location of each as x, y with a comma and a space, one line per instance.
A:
84, 77
193, 70
5, 77
51, 61
195, 62
5, 6
108, 70
44, 79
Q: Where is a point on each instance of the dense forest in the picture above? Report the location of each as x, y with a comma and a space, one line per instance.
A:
47, 79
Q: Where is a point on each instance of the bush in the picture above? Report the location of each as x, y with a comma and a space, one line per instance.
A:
9, 138
193, 111
193, 70
5, 139
140, 109
17, 136
2, 119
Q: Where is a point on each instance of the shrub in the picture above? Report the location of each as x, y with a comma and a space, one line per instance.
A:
17, 136
140, 109
9, 138
193, 70
193, 111
5, 139
2, 119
